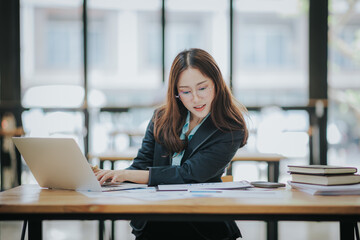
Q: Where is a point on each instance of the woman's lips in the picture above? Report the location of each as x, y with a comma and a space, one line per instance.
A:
200, 108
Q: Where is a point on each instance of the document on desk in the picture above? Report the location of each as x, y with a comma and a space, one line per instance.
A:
241, 189
206, 186
352, 189
151, 194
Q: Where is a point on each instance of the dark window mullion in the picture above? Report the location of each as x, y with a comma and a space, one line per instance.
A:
163, 40
231, 15
318, 86
85, 71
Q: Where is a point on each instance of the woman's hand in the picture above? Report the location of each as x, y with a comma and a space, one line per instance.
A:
112, 176
118, 176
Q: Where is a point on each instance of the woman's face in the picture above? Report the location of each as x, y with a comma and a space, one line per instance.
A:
196, 92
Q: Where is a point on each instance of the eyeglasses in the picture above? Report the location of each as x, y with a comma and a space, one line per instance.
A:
201, 92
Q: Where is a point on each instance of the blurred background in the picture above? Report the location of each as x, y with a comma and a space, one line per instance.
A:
95, 71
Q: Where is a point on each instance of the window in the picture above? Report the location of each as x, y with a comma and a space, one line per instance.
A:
343, 133
198, 24
342, 48
266, 46
270, 46
125, 53
58, 38
51, 48
51, 68
149, 42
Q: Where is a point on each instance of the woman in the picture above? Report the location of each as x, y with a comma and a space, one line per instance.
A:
191, 139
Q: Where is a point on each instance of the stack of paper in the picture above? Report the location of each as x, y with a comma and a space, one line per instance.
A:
312, 189
207, 186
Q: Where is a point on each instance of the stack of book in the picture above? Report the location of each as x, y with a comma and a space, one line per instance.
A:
325, 179
324, 174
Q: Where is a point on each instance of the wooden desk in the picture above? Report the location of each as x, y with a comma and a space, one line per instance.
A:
271, 159
29, 202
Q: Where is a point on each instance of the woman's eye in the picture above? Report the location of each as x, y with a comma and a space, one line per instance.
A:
187, 92
202, 88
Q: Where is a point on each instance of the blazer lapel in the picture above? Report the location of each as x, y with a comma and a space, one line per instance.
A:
205, 131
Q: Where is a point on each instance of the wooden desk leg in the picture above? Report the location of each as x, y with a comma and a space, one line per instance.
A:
35, 230
356, 231
101, 229
273, 171
101, 164
272, 230
273, 176
113, 229
112, 221
347, 230
112, 165
102, 222
23, 231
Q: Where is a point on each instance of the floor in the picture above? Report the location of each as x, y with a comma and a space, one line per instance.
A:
251, 230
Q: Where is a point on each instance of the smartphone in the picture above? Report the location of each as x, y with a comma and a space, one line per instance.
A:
264, 184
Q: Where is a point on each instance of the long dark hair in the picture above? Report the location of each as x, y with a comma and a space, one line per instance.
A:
226, 112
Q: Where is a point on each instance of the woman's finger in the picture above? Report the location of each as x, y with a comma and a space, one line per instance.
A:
100, 174
107, 176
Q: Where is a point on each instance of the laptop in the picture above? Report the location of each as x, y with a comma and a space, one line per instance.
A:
59, 163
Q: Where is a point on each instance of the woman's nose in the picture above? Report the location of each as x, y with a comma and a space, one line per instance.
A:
195, 96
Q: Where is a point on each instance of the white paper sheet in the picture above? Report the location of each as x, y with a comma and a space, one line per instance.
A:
151, 194
353, 189
208, 186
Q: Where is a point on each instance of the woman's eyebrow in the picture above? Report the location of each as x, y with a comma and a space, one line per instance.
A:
196, 84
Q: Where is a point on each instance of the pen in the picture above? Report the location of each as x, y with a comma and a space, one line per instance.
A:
204, 191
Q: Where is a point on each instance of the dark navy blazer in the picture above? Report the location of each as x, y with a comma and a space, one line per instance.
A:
205, 158
207, 155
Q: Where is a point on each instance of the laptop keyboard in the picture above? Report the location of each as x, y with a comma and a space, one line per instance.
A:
122, 186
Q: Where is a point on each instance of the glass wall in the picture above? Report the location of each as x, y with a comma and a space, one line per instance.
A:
270, 70
124, 53
271, 52
344, 83
51, 67
125, 66
52, 70
51, 54
198, 24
